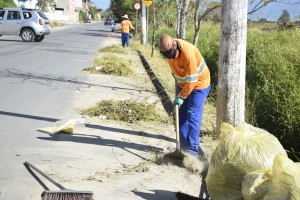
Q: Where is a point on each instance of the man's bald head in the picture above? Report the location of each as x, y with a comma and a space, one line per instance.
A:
165, 43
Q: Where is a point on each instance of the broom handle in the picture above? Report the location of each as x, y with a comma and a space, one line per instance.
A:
44, 175
177, 127
177, 119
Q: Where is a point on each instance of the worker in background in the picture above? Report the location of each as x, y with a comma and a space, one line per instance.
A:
193, 77
125, 26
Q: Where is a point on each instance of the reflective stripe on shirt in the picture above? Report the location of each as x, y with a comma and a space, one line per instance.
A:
191, 78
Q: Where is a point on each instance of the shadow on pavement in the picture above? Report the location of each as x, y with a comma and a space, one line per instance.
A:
92, 126
30, 76
87, 139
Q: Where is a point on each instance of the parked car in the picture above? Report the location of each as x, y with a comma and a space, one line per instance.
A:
87, 20
29, 24
109, 21
116, 26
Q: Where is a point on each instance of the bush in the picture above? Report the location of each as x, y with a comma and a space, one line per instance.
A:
7, 3
82, 15
273, 74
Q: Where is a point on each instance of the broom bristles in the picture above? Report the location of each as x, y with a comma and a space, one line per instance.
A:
67, 195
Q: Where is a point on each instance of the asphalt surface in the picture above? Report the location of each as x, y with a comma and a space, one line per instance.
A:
42, 83
38, 82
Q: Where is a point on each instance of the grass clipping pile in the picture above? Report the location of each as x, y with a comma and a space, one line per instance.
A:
111, 65
126, 111
113, 49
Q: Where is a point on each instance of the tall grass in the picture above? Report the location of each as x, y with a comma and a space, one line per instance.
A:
273, 81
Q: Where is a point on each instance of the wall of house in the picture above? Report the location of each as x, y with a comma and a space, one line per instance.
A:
66, 10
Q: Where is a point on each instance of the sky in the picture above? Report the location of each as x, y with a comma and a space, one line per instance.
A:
271, 12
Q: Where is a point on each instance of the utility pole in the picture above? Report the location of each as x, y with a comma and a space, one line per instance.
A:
232, 64
143, 23
153, 33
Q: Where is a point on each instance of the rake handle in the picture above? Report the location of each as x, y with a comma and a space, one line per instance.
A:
45, 176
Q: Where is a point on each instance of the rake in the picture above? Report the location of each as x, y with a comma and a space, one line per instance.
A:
63, 194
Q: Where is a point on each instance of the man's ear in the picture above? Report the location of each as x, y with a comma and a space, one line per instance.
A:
174, 44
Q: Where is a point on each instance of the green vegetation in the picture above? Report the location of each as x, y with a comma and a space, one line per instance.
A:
7, 3
45, 5
272, 79
273, 84
126, 111
111, 65
82, 15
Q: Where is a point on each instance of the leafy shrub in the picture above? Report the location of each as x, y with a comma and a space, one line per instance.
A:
82, 15
7, 3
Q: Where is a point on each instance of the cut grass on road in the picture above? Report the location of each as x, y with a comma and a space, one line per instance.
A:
126, 111
111, 65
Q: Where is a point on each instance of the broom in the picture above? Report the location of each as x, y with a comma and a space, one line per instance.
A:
63, 194
177, 156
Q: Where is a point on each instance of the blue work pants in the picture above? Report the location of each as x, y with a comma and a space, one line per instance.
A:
190, 119
125, 39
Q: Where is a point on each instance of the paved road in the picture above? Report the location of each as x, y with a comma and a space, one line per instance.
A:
37, 84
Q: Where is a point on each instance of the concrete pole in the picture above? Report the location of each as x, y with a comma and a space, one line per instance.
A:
232, 67
143, 24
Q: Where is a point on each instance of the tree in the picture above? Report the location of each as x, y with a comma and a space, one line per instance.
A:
198, 16
7, 3
44, 5
262, 20
232, 64
285, 16
177, 4
143, 24
122, 7
182, 7
258, 4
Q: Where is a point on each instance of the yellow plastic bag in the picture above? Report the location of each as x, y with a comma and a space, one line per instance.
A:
285, 181
256, 184
241, 150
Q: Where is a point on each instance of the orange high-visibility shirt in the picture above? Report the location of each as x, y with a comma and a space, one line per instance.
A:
189, 69
125, 25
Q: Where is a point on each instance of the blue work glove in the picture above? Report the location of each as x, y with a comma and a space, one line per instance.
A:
178, 101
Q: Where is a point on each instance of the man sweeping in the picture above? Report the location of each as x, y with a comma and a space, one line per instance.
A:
125, 26
193, 76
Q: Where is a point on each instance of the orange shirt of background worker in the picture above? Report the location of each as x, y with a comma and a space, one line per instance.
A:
125, 25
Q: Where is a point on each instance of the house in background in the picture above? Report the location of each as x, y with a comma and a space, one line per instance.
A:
64, 10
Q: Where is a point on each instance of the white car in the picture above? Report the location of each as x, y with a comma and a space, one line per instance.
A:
29, 24
115, 27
